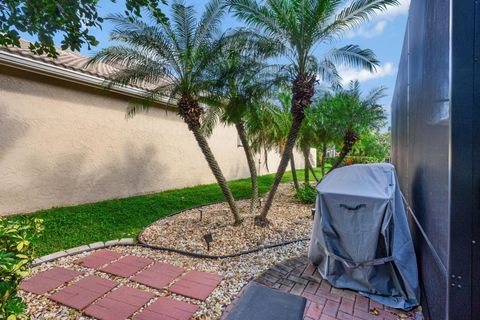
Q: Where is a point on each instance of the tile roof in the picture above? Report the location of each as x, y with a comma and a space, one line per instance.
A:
71, 61
66, 59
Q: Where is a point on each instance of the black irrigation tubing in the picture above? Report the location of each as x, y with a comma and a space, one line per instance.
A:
232, 255
207, 256
182, 252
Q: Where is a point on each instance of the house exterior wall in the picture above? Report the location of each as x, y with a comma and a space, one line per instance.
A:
64, 144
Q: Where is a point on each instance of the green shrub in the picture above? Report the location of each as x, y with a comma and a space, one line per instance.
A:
349, 160
16, 252
362, 159
306, 194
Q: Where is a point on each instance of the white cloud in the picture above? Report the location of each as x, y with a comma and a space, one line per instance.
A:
392, 11
366, 32
350, 74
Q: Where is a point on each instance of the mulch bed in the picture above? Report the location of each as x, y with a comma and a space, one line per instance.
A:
289, 220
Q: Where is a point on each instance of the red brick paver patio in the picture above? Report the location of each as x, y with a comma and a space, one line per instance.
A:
324, 302
104, 299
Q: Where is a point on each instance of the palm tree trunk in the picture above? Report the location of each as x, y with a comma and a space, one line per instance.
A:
190, 111
313, 170
324, 157
251, 165
294, 173
302, 93
217, 172
349, 141
306, 167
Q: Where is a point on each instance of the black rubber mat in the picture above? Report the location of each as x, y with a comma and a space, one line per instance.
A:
262, 303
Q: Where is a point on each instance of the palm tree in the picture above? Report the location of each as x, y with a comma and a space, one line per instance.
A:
307, 138
356, 115
297, 27
172, 59
324, 122
244, 80
267, 128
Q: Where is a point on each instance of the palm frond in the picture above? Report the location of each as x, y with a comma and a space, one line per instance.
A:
258, 16
209, 22
328, 72
358, 12
184, 22
375, 95
210, 119
354, 56
150, 40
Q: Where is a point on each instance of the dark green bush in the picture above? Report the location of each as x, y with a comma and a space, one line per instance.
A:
352, 160
362, 159
306, 194
16, 252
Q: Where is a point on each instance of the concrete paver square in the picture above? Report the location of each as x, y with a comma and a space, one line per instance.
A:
82, 293
167, 309
48, 280
98, 259
196, 284
127, 266
158, 275
119, 304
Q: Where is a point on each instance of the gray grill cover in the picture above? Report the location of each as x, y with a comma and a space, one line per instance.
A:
360, 238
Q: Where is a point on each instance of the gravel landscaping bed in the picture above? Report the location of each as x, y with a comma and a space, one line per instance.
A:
237, 272
290, 220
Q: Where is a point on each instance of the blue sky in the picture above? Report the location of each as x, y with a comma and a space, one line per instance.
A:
384, 35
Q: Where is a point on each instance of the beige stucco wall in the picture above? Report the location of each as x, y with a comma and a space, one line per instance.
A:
64, 144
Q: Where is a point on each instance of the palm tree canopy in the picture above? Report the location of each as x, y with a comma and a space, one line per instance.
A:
299, 26
269, 122
352, 111
171, 58
242, 79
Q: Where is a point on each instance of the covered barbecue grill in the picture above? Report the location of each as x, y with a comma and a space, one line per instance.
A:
360, 238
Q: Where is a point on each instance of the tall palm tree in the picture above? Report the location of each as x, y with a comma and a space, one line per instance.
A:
356, 115
244, 79
172, 59
297, 27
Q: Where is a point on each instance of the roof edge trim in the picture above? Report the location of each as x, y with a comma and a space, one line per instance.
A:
13, 60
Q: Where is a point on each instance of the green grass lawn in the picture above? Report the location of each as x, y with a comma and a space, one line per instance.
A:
69, 227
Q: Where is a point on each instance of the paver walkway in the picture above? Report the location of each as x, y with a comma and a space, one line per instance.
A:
298, 276
105, 299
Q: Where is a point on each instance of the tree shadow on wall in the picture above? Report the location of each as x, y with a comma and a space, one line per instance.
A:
73, 179
11, 130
